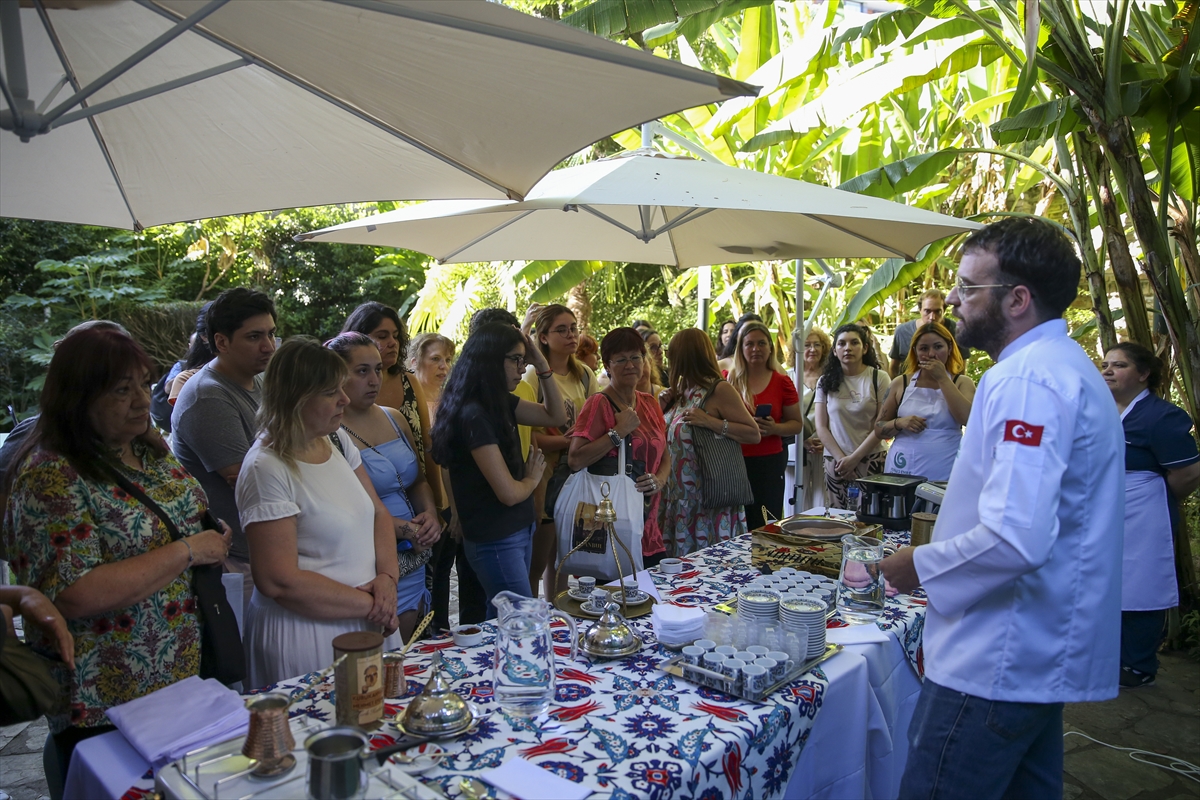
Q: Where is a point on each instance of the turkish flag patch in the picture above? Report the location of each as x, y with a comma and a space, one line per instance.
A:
1023, 433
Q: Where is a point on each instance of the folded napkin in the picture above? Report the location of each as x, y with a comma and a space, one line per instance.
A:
176, 719
856, 634
675, 625
528, 781
644, 582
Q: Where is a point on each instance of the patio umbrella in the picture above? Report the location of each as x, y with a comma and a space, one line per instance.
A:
649, 207
131, 113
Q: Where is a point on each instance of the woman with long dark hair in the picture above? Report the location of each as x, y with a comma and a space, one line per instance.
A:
1162, 467
765, 387
699, 397
476, 439
556, 334
102, 557
848, 400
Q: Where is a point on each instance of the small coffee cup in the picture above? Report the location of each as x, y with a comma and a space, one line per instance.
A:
599, 597
732, 667
771, 666
726, 650
587, 584
758, 650
754, 680
783, 663
713, 661
708, 645
693, 654
670, 566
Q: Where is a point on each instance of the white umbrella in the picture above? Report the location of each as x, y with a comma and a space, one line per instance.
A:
652, 208
140, 112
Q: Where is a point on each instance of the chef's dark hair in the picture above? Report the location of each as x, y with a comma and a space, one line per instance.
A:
1144, 360
1031, 252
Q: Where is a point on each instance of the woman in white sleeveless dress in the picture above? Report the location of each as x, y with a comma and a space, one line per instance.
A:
926, 407
322, 545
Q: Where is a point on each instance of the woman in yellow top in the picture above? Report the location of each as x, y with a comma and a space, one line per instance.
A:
556, 333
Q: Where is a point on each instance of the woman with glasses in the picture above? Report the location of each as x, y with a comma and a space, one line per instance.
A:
927, 406
622, 411
654, 353
849, 396
557, 337
764, 386
699, 398
475, 438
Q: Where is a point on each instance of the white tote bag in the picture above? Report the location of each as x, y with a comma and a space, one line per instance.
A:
575, 519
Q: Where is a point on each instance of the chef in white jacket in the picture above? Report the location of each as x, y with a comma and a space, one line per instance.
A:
1023, 572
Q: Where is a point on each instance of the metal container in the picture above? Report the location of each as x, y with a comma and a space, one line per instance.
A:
922, 527
437, 711
610, 636
335, 763
394, 682
898, 507
873, 505
358, 680
269, 740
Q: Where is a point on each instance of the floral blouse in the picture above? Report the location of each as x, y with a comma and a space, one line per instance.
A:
57, 527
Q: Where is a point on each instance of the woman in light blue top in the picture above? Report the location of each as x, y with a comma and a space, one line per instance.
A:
385, 441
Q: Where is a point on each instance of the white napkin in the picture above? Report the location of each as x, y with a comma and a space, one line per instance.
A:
528, 781
179, 718
644, 582
677, 624
856, 634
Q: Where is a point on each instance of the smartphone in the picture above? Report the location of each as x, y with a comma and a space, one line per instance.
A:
763, 410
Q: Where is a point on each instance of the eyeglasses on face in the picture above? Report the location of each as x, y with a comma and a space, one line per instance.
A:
965, 289
657, 348
519, 360
565, 330
635, 360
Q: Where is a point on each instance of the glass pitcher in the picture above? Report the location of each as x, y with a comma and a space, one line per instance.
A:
861, 589
523, 674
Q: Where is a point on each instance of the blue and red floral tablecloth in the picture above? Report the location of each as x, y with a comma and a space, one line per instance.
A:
625, 727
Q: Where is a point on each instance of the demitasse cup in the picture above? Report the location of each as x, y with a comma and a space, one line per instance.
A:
713, 662
587, 584
707, 644
754, 680
693, 654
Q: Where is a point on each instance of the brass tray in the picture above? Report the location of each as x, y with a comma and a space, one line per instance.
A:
714, 680
564, 602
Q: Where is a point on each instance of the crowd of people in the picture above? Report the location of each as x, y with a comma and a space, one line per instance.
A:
347, 478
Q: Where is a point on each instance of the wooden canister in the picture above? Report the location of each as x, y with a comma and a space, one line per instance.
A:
922, 527
358, 680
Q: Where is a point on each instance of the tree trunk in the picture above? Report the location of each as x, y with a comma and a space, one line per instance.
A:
1092, 267
1124, 272
580, 303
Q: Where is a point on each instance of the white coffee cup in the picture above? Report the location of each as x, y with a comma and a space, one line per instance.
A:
693, 654
754, 680
587, 584
670, 566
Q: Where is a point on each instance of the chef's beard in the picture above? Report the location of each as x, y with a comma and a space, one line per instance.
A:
987, 330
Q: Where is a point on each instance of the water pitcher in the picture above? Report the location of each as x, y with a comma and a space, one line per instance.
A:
861, 593
523, 673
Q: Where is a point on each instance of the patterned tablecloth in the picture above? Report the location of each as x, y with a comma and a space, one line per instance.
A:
624, 726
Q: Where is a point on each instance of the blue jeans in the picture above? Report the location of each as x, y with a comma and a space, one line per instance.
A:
502, 564
964, 746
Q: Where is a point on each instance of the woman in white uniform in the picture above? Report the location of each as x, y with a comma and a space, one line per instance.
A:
927, 407
1161, 468
322, 545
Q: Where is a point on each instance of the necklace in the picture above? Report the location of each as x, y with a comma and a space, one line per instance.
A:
611, 392
399, 480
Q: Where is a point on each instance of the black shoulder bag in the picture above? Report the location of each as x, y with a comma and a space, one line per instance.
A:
221, 653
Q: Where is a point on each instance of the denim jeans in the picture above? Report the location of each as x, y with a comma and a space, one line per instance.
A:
964, 746
502, 564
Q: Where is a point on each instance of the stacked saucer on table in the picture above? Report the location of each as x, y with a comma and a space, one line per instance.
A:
760, 604
796, 610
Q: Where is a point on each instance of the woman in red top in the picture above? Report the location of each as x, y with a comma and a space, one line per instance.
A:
619, 411
760, 380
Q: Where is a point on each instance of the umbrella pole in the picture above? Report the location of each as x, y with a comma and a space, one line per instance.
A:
798, 359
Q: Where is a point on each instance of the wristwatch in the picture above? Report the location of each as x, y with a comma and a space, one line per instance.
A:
616, 439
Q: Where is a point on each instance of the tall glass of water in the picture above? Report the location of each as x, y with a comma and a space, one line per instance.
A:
861, 594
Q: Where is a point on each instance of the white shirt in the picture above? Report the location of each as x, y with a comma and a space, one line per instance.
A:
853, 408
335, 518
1024, 570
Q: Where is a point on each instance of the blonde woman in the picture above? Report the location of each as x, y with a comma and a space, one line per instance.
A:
816, 350
322, 545
766, 389
429, 358
556, 333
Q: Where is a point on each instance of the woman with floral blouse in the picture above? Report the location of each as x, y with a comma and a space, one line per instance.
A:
106, 561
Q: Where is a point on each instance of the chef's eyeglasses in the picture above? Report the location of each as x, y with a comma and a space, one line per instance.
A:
965, 289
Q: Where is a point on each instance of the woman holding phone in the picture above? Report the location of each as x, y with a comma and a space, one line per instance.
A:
759, 378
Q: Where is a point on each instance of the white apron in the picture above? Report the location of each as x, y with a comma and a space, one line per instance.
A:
931, 452
1148, 569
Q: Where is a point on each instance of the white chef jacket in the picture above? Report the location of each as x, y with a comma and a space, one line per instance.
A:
1023, 572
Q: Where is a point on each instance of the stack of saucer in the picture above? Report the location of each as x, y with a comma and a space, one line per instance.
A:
808, 611
759, 604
